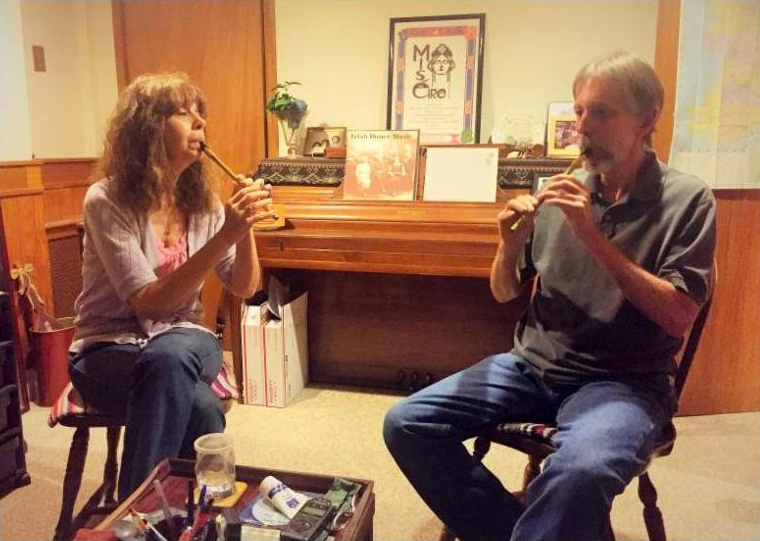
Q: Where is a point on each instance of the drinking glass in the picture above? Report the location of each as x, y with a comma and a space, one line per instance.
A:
215, 465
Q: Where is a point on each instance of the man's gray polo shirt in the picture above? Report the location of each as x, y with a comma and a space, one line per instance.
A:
579, 327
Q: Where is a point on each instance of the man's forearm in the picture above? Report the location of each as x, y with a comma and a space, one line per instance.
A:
661, 301
505, 279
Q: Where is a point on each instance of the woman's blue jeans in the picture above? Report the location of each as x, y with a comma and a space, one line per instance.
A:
606, 433
162, 388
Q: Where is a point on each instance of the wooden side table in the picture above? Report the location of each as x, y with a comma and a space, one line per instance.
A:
174, 473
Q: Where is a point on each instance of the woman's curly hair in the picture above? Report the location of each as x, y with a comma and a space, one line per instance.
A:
135, 156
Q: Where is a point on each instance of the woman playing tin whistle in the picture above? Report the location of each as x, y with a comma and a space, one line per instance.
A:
154, 230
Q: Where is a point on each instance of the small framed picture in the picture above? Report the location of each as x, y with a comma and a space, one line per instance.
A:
319, 138
539, 181
562, 139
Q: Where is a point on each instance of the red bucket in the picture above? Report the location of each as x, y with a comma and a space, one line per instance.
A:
51, 351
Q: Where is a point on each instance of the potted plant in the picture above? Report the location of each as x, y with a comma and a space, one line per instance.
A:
289, 111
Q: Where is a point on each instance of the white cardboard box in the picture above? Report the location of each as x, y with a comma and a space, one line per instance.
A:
253, 321
287, 355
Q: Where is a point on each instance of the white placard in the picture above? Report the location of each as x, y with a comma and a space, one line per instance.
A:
461, 174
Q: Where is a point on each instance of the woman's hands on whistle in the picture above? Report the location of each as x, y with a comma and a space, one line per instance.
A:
250, 203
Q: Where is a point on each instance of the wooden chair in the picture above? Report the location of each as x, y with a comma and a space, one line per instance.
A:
534, 440
72, 411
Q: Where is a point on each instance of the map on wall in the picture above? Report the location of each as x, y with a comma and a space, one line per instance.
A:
717, 111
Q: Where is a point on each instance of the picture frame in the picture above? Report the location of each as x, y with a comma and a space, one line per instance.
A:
539, 181
318, 138
443, 168
381, 164
562, 138
435, 76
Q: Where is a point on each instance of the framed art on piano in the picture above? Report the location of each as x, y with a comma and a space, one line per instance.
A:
381, 164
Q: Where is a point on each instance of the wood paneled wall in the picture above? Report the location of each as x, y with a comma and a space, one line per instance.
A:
21, 196
42, 202
221, 46
725, 376
726, 372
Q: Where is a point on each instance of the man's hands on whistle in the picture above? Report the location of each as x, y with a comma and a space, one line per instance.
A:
570, 195
524, 206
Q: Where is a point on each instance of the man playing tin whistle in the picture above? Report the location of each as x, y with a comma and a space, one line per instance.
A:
620, 252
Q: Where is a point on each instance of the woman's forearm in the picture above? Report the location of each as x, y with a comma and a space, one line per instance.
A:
246, 271
165, 296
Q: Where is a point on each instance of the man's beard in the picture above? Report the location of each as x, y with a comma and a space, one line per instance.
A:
598, 158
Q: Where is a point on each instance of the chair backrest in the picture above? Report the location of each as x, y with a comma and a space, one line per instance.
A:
690, 349
693, 338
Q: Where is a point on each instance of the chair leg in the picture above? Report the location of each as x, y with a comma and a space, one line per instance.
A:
111, 469
608, 534
531, 471
446, 534
71, 482
652, 514
102, 500
480, 448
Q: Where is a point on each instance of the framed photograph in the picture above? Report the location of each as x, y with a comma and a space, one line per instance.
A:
539, 181
381, 164
435, 75
319, 138
562, 139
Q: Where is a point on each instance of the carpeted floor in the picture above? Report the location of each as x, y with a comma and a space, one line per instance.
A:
708, 487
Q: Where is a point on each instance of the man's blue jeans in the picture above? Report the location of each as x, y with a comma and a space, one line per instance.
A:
163, 388
606, 434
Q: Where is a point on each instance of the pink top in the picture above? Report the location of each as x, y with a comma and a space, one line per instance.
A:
123, 254
170, 257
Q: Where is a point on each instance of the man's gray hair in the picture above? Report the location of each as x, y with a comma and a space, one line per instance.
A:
631, 75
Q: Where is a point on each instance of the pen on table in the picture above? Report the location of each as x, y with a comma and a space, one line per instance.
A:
136, 520
190, 504
165, 506
202, 518
201, 499
575, 164
143, 523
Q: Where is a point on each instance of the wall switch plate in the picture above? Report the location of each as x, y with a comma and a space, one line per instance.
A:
38, 53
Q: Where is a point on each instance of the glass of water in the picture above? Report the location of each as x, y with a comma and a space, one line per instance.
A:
215, 465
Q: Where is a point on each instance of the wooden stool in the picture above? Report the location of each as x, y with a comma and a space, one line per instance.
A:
71, 410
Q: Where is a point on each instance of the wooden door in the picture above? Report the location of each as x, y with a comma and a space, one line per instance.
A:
221, 46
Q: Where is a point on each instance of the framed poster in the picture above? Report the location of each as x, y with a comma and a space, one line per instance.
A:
381, 164
562, 138
435, 75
